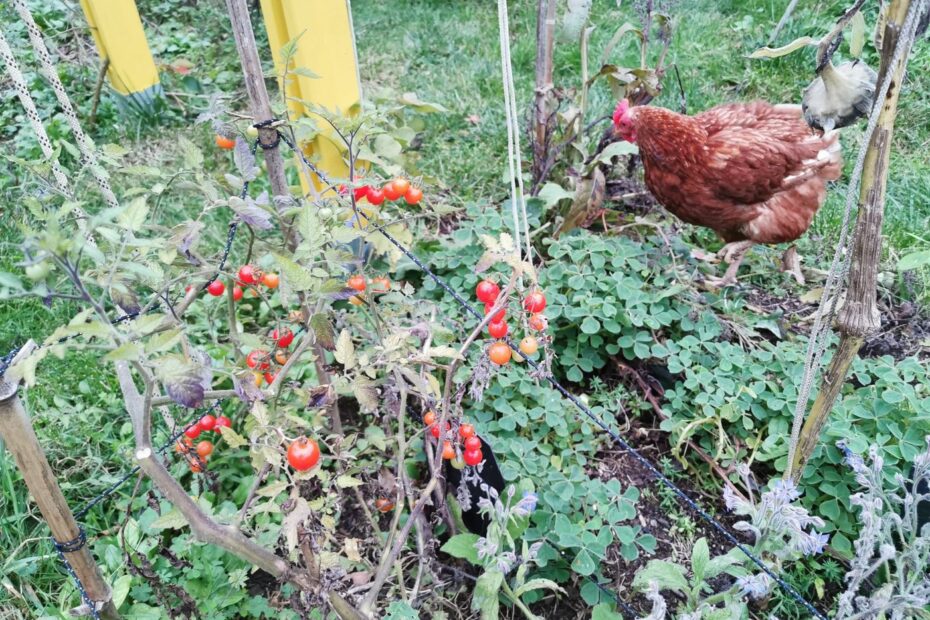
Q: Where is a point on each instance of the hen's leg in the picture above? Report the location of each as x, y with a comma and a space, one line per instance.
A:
791, 263
732, 254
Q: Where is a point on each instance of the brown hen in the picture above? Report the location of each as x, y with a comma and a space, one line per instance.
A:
753, 172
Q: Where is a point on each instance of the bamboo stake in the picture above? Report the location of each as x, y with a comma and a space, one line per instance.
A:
20, 439
859, 316
545, 38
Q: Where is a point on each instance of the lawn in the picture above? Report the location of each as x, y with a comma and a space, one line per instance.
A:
448, 53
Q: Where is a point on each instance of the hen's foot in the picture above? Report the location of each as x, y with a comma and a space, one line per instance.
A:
791, 264
732, 254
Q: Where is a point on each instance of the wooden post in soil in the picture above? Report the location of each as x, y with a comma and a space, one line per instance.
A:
20, 439
545, 43
859, 316
261, 110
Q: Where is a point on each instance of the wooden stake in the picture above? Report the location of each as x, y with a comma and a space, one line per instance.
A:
859, 316
20, 439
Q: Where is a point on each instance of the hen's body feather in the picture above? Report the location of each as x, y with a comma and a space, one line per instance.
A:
750, 171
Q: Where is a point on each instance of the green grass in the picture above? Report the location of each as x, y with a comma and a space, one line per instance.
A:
445, 52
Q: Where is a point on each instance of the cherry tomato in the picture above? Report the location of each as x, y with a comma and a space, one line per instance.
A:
360, 192
303, 454
205, 449
535, 302
434, 429
413, 195
222, 421
380, 285
539, 322
224, 143
357, 282
280, 357
498, 329
375, 196
269, 378
499, 353
251, 131
500, 313
196, 465
258, 379
207, 423
216, 288
473, 457
391, 192
401, 185
284, 338
448, 452
271, 280
193, 431
529, 345
457, 463
237, 293
429, 418
383, 504
258, 358
247, 274
487, 291
466, 431
473, 443
183, 445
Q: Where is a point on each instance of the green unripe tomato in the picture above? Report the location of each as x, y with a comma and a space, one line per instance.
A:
38, 271
251, 131
457, 463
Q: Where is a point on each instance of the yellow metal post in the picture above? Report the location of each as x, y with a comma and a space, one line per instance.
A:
325, 46
118, 33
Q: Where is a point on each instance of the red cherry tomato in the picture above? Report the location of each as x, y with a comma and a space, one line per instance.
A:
499, 353
401, 185
216, 288
413, 195
498, 330
466, 431
207, 423
391, 192
247, 274
383, 504
224, 143
193, 431
258, 358
529, 346
269, 378
535, 302
487, 291
539, 322
429, 418
360, 192
205, 449
222, 421
271, 280
375, 196
183, 445
284, 338
303, 454
448, 452
237, 293
473, 457
357, 282
497, 317
434, 429
473, 443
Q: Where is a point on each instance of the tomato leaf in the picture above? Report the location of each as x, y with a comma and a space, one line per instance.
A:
463, 546
182, 380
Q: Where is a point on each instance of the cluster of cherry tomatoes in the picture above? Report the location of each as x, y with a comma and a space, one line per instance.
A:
534, 303
471, 445
303, 454
248, 276
198, 454
260, 360
392, 190
379, 285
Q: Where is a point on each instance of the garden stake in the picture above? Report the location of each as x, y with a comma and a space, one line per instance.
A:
20, 439
859, 316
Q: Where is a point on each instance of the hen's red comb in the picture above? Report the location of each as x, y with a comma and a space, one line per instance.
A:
620, 110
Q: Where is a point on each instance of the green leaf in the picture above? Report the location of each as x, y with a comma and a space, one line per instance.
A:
551, 193
411, 99
776, 52
914, 260
584, 564
323, 329
125, 352
590, 325
163, 341
700, 555
295, 276
616, 149
347, 482
723, 563
121, 590
234, 439
171, 520
133, 216
667, 575
399, 610
537, 584
857, 37
604, 612
345, 350
484, 598
304, 72
463, 546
